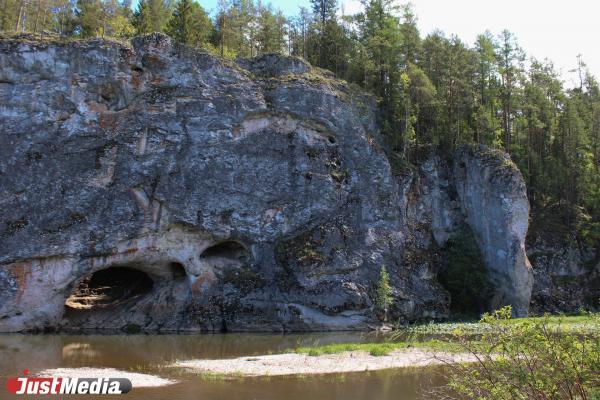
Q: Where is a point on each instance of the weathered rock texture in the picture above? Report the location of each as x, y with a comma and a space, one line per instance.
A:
490, 189
254, 196
566, 272
484, 189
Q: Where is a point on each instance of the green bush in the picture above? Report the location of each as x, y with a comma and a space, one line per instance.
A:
464, 275
383, 294
530, 359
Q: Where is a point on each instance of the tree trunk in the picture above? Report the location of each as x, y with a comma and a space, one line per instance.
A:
20, 15
37, 16
43, 23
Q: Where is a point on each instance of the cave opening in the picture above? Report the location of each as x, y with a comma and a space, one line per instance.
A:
230, 250
111, 287
177, 270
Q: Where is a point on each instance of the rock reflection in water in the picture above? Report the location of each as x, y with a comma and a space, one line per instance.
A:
151, 353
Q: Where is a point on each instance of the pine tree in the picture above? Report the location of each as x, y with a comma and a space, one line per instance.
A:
325, 10
510, 57
383, 296
90, 18
487, 90
271, 34
411, 41
190, 24
328, 35
151, 16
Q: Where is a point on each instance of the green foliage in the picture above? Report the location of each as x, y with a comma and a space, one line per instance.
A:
190, 24
213, 376
464, 275
589, 230
271, 35
105, 18
132, 328
89, 17
526, 359
324, 10
577, 324
151, 16
383, 293
376, 349
455, 337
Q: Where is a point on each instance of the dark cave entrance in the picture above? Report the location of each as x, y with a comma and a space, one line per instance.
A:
111, 287
231, 261
232, 251
177, 270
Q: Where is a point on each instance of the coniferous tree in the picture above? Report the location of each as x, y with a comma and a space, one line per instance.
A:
381, 37
151, 16
327, 33
271, 34
411, 41
90, 18
190, 24
510, 57
486, 129
324, 10
383, 293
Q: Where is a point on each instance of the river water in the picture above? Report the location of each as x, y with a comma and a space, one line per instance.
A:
151, 353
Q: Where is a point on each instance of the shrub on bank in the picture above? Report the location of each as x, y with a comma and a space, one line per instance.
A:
529, 360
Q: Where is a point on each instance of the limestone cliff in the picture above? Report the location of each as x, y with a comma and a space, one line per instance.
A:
566, 267
151, 186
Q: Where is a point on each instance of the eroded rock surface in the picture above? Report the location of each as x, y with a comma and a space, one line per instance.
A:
566, 274
492, 196
253, 195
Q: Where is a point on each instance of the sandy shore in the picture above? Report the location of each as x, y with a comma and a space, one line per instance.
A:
293, 364
137, 379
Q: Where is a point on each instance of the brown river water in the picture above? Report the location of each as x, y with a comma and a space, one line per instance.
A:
151, 353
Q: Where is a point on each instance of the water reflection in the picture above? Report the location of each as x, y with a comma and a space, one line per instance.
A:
151, 353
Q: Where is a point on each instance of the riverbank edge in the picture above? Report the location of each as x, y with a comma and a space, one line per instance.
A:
305, 364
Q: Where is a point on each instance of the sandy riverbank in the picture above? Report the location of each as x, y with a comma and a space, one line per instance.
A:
137, 379
295, 364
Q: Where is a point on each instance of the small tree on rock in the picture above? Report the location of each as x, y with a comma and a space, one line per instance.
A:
383, 296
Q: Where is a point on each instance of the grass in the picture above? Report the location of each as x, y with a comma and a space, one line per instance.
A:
376, 349
577, 323
442, 333
212, 376
218, 376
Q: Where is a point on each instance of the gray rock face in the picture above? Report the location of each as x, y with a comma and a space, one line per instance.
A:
483, 189
252, 195
491, 192
566, 275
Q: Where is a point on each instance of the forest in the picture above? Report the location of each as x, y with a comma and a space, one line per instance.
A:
433, 90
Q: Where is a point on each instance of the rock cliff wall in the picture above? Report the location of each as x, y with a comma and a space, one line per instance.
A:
156, 187
483, 189
491, 192
566, 274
